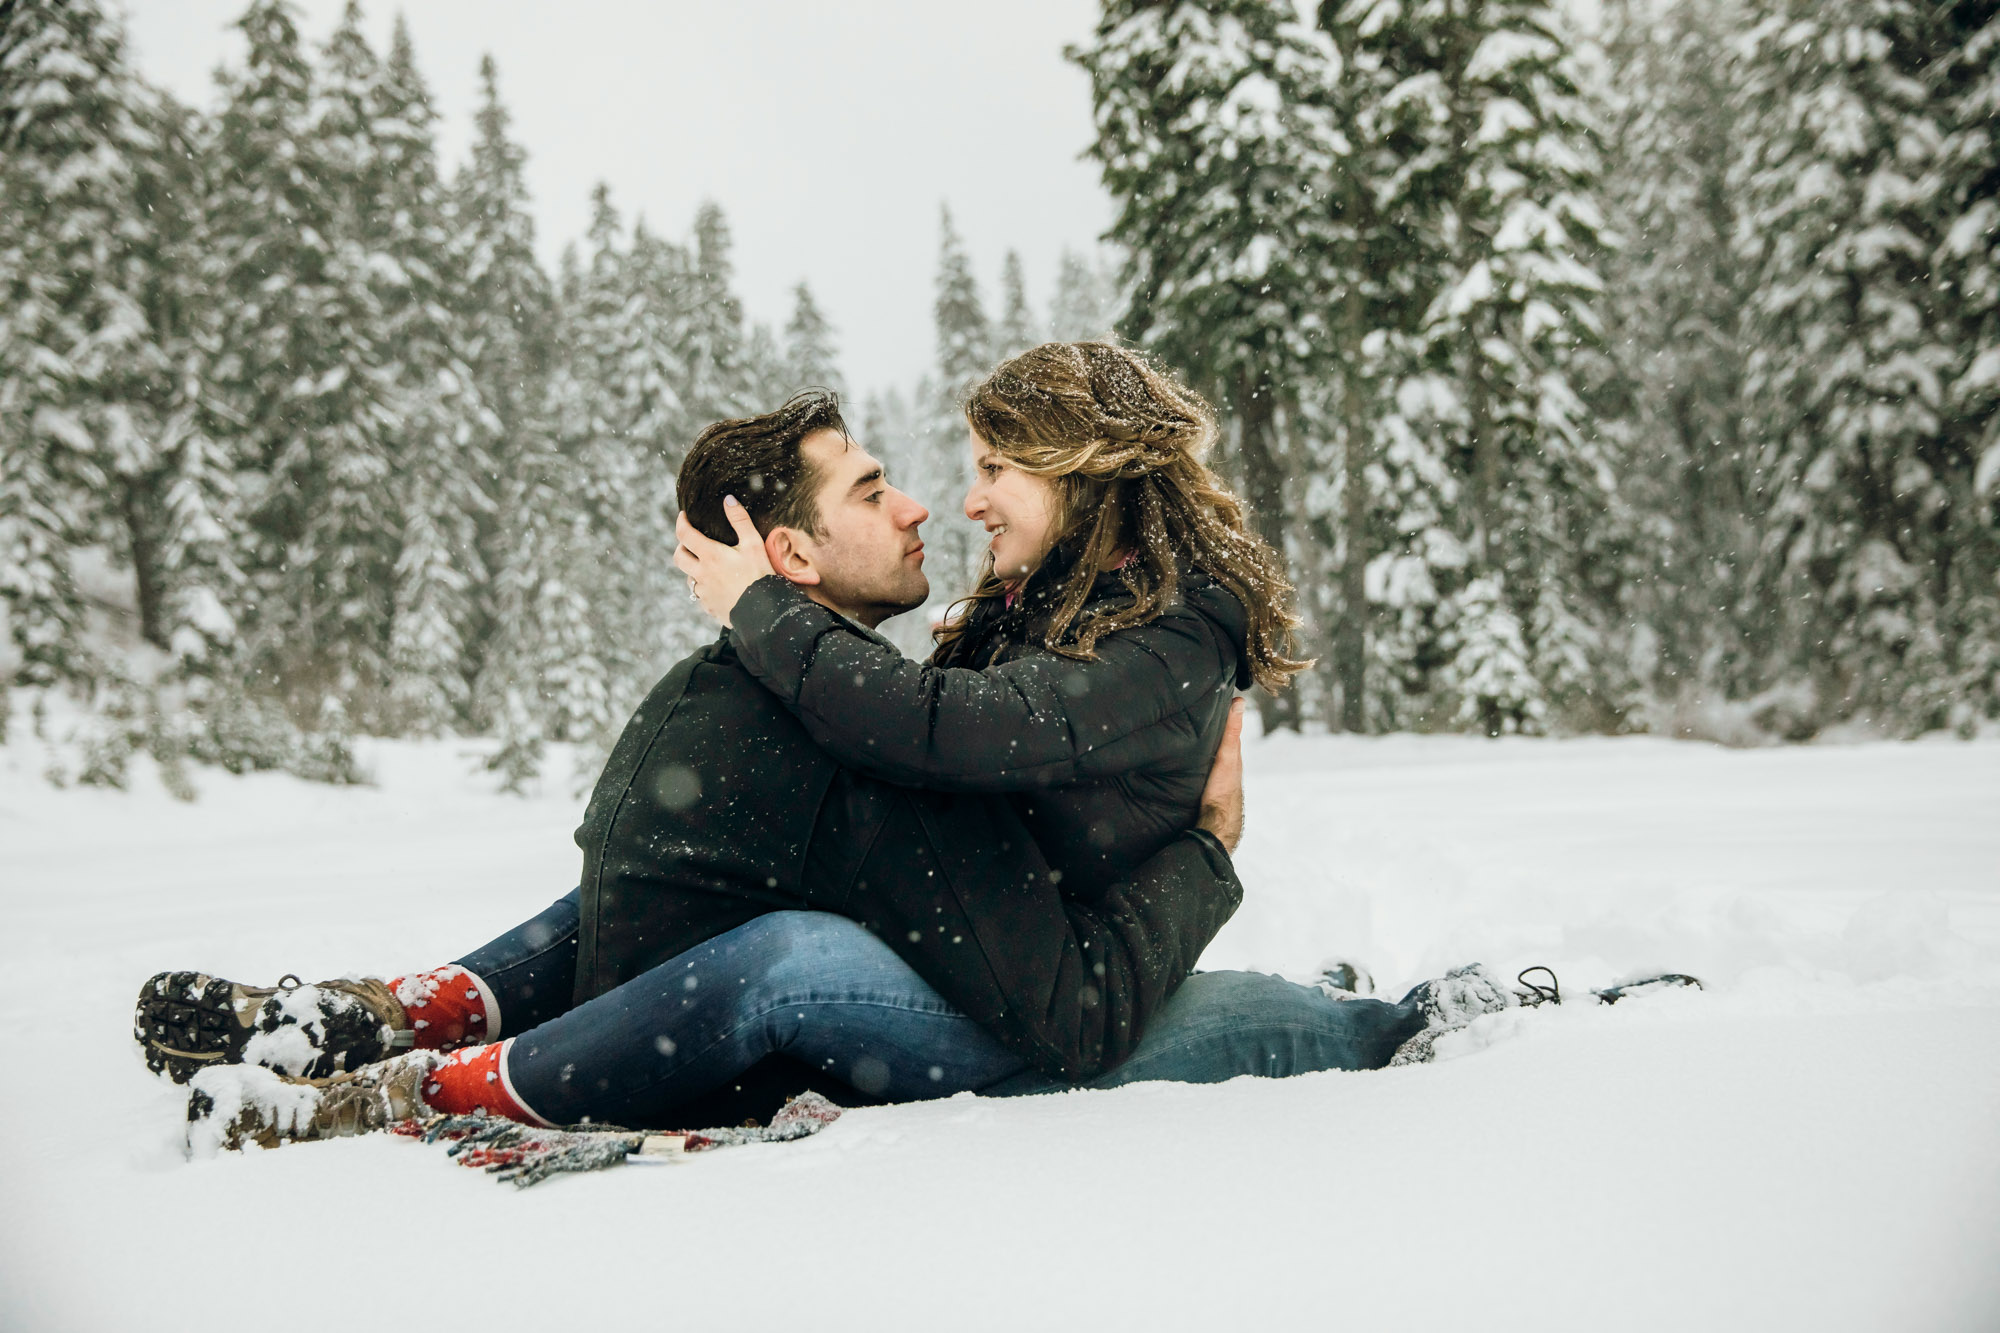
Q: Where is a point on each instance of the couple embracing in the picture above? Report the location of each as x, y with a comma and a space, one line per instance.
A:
992, 871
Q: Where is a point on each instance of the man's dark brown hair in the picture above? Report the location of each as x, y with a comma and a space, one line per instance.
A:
757, 460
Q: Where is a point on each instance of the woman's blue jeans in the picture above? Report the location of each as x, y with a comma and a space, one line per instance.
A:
822, 990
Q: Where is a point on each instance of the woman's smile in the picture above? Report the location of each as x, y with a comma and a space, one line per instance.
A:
1017, 509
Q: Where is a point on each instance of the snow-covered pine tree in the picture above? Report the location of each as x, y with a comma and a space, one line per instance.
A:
301, 379
655, 372
1083, 306
1371, 504
712, 334
1842, 202
442, 467
810, 356
1967, 76
503, 308
1690, 478
1016, 330
103, 461
546, 677
191, 602
1213, 138
964, 334
503, 302
1499, 173
596, 401
615, 409
546, 674
341, 577
765, 369
964, 357
76, 353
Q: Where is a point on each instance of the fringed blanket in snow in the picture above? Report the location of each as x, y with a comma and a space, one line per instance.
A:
524, 1154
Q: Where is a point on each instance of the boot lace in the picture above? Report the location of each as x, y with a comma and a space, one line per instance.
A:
1537, 993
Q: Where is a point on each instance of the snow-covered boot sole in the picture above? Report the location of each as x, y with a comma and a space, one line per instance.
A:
188, 1021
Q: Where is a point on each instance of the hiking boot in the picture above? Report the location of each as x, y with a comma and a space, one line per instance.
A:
187, 1021
1450, 1003
1538, 993
231, 1109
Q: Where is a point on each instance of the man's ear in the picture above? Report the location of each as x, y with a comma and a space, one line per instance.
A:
789, 557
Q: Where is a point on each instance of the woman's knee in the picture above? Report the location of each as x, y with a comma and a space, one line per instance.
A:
1256, 1001
1248, 995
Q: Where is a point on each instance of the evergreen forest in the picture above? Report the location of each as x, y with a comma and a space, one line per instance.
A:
1618, 367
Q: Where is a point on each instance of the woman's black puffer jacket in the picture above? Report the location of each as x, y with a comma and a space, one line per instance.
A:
1105, 759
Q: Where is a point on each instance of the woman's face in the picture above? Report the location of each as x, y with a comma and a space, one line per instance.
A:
1017, 509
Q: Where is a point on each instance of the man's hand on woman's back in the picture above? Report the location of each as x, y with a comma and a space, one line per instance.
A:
1222, 796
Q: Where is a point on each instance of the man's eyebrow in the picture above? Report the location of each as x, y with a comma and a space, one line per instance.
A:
866, 479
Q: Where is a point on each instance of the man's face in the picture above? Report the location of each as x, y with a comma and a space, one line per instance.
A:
868, 554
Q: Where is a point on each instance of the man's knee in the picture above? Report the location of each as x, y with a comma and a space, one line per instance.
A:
794, 950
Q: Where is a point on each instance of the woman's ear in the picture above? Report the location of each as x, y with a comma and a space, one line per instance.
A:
790, 557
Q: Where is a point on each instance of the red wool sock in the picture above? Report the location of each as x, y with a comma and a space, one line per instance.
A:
448, 1006
474, 1081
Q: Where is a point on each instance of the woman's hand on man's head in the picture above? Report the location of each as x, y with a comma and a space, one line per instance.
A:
717, 574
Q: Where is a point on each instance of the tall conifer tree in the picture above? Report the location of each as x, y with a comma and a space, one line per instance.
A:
1967, 77
1082, 306
712, 338
1214, 142
1691, 477
299, 376
502, 302
810, 356
1850, 353
442, 466
539, 676
964, 357
1016, 331
1498, 176
76, 352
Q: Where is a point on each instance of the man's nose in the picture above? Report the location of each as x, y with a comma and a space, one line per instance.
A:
913, 513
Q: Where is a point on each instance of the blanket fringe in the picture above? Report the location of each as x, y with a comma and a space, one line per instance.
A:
525, 1155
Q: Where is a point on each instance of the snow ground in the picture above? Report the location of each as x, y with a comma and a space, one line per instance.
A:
1813, 1143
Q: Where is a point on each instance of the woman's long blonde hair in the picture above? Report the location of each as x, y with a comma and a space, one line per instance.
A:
1123, 441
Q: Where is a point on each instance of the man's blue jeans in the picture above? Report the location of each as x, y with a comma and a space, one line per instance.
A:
822, 990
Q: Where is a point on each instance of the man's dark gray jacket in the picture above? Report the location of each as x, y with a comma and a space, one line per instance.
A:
716, 807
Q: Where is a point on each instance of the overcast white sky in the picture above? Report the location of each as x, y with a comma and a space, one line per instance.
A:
829, 132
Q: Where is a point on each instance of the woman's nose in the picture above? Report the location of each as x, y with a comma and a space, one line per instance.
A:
975, 503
